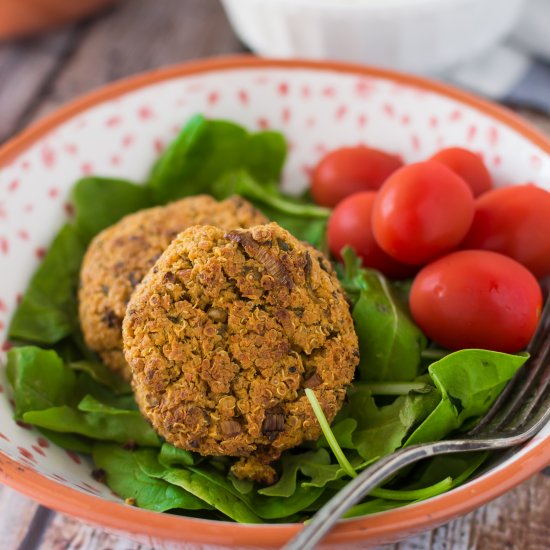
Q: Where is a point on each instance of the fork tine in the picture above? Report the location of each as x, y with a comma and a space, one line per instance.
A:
503, 409
540, 391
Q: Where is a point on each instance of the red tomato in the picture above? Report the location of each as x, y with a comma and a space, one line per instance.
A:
349, 170
350, 224
514, 221
477, 299
422, 211
468, 166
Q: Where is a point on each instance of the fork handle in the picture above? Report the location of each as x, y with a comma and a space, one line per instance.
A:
325, 519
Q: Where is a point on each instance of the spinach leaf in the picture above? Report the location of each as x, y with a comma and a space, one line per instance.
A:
103, 375
381, 430
469, 381
291, 464
311, 230
86, 385
205, 483
304, 220
101, 202
48, 311
90, 404
70, 442
390, 344
322, 475
264, 155
128, 427
342, 429
207, 149
281, 507
127, 479
373, 506
172, 456
40, 379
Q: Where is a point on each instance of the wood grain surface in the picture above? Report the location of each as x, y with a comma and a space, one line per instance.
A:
38, 75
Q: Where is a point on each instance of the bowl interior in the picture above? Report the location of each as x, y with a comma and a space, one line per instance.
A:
317, 109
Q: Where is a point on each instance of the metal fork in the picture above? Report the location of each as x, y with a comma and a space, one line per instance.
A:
519, 413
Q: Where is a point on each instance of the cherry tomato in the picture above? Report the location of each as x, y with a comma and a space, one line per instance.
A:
468, 166
422, 211
350, 224
349, 170
477, 299
514, 221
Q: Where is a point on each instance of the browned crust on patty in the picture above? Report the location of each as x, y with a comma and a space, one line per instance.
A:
226, 332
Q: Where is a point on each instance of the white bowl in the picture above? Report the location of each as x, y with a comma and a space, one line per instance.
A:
424, 36
119, 131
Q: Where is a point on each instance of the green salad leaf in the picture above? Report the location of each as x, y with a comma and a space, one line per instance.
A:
205, 483
39, 378
129, 427
102, 375
469, 381
101, 202
205, 150
127, 479
406, 392
390, 344
48, 310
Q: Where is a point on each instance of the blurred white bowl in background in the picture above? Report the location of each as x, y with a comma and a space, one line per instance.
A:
533, 30
423, 36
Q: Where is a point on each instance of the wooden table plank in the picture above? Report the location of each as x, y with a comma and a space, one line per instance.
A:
26, 68
115, 47
16, 514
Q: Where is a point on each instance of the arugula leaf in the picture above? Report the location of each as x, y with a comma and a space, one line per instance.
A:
101, 202
127, 479
207, 149
129, 427
48, 311
40, 379
390, 344
469, 381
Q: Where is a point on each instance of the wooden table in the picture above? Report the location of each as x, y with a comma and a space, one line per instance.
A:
39, 74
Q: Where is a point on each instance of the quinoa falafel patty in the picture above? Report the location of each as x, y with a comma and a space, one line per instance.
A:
120, 256
225, 333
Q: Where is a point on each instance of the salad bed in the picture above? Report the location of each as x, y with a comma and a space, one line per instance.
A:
406, 390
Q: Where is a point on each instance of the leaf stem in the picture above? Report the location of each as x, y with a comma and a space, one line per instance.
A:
415, 494
244, 184
327, 432
395, 388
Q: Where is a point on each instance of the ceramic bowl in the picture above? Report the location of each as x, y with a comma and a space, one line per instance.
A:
120, 130
23, 17
423, 36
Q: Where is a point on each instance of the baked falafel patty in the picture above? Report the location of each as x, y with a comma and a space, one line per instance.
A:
225, 333
120, 256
